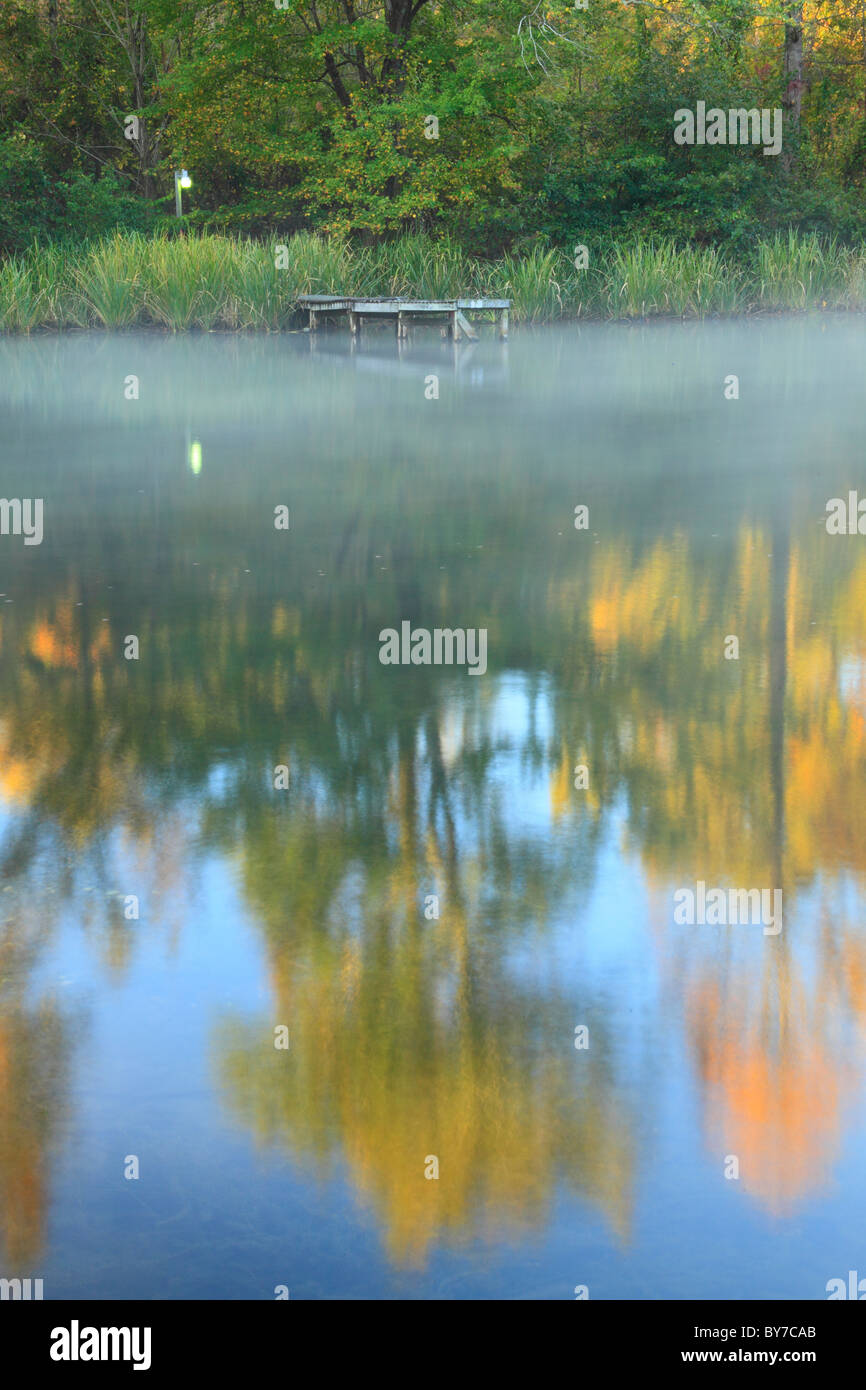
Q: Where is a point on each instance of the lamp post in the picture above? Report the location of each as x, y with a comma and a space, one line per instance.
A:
181, 180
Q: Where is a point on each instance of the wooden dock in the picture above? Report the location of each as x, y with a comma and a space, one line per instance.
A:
403, 311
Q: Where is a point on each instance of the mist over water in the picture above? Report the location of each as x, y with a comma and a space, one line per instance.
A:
412, 1035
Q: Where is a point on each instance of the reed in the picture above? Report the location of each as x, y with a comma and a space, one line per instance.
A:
853, 292
417, 267
108, 282
22, 301
799, 272
183, 280
644, 278
256, 295
214, 282
533, 283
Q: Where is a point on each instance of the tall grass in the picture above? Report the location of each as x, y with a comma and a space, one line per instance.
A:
853, 293
109, 282
218, 282
645, 278
796, 272
316, 265
183, 280
256, 295
415, 267
532, 282
22, 301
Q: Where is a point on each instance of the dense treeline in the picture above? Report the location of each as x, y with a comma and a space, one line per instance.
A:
496, 122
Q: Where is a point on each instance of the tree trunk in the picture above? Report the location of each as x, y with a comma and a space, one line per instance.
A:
793, 98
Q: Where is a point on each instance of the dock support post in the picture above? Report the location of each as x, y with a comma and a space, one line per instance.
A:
503, 323
312, 320
353, 323
465, 326
455, 325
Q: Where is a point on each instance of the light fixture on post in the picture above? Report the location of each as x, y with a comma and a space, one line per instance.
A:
181, 180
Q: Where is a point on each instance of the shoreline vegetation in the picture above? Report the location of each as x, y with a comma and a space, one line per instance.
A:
212, 282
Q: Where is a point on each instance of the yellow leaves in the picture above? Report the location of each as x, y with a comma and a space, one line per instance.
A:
16, 781
642, 607
47, 647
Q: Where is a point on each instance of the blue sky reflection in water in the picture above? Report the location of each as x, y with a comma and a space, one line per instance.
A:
411, 1037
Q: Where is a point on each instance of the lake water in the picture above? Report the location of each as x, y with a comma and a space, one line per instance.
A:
148, 786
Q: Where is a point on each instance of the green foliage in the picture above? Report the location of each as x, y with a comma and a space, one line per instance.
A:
35, 206
488, 122
94, 207
27, 205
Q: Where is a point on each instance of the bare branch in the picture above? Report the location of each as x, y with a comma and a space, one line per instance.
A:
535, 29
